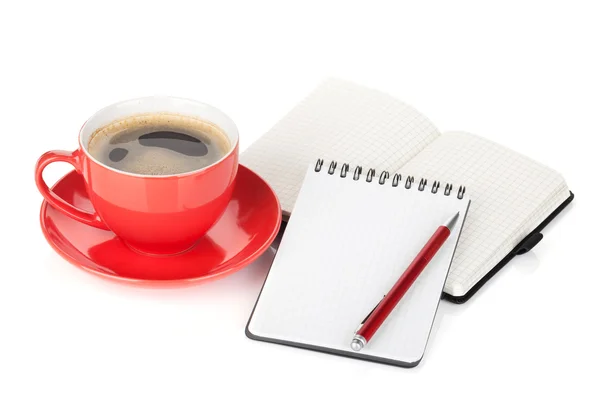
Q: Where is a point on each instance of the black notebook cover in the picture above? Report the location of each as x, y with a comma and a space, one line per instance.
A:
524, 246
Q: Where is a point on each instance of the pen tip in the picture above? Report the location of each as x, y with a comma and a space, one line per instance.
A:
452, 221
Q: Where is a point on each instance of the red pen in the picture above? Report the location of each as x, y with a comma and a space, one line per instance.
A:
373, 321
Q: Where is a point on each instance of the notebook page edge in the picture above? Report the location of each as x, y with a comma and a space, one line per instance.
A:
461, 286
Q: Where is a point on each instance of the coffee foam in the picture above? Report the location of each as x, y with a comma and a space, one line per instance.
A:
161, 121
157, 161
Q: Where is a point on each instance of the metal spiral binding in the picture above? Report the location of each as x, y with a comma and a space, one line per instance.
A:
370, 175
385, 175
345, 168
332, 167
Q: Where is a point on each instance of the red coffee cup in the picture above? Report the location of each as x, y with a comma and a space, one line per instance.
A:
151, 214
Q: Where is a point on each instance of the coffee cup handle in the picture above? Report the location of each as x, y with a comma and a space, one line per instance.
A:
70, 210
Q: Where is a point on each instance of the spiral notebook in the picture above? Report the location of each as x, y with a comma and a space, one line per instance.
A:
513, 197
351, 236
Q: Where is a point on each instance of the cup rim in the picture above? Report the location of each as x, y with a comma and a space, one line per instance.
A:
233, 149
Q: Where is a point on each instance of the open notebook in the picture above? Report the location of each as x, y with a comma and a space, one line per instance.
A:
513, 197
350, 238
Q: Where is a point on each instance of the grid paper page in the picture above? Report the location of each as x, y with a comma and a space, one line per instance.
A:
510, 193
338, 121
346, 244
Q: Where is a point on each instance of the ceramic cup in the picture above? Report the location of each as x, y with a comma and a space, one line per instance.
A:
151, 214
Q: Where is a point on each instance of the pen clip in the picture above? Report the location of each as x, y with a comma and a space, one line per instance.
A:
368, 315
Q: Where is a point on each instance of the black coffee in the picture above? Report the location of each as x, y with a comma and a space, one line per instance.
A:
159, 144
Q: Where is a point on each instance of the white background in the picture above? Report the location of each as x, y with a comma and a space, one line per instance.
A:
523, 74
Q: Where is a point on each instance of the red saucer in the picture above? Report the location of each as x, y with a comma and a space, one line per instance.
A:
246, 229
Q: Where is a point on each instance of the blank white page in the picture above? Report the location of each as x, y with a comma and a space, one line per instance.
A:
345, 246
339, 121
511, 195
